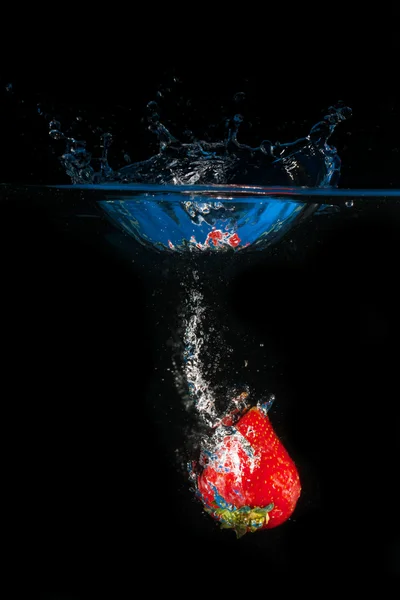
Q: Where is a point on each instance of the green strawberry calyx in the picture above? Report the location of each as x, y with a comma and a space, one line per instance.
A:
241, 520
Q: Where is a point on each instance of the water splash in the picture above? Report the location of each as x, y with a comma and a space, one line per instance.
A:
309, 161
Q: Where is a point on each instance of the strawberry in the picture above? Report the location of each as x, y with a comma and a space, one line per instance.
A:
249, 482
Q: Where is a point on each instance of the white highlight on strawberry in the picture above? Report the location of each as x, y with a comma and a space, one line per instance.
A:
228, 457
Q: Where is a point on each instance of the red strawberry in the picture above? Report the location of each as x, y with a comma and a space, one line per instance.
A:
249, 481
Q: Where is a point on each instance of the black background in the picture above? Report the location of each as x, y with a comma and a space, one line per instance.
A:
95, 494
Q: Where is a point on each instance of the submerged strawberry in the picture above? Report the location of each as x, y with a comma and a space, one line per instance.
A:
249, 482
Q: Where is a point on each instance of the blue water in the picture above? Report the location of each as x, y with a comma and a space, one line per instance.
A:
216, 218
333, 193
216, 196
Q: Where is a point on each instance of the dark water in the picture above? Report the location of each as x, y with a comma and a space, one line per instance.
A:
94, 429
85, 330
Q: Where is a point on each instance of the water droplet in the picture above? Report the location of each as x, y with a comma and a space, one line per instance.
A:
239, 97
56, 135
349, 203
86, 174
9, 87
54, 124
238, 119
152, 105
107, 140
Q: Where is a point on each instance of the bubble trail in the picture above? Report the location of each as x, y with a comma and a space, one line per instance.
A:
193, 339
